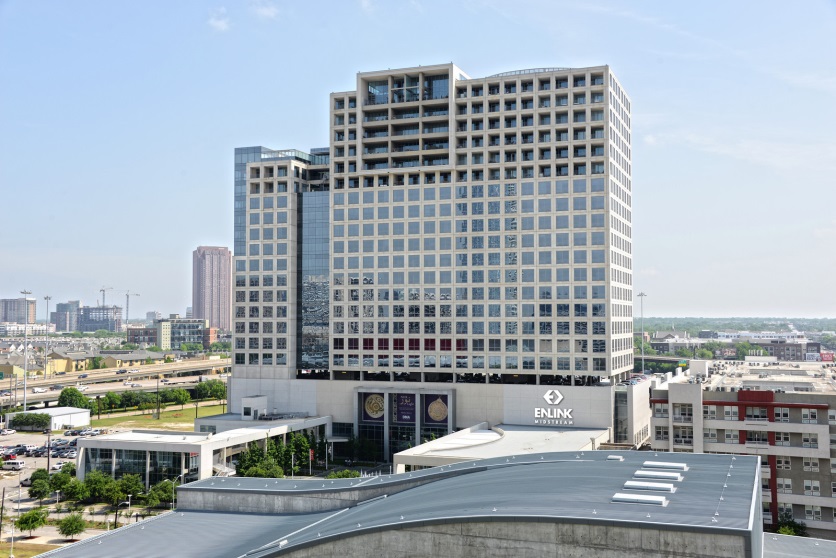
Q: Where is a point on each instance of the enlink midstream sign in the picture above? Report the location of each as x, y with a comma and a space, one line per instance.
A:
552, 415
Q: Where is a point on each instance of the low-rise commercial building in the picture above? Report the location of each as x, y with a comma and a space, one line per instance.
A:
157, 455
174, 332
61, 417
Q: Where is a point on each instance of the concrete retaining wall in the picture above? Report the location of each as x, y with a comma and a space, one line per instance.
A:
231, 500
529, 540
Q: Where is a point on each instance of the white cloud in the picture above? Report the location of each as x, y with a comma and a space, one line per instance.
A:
218, 20
265, 9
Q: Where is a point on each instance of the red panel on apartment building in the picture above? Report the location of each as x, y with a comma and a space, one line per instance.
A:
756, 396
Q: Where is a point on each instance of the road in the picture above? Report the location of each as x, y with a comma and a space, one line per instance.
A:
111, 381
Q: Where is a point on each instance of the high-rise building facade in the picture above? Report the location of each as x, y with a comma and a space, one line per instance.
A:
93, 318
65, 316
467, 241
211, 286
18, 310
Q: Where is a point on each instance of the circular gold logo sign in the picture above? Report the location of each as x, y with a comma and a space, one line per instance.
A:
374, 405
437, 410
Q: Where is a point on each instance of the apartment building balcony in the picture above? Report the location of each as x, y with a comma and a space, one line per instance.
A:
683, 418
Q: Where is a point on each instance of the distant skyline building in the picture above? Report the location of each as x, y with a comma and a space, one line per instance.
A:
93, 318
153, 316
211, 285
14, 310
65, 316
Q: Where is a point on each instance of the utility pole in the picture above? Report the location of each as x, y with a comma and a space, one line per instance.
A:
25, 344
46, 347
641, 298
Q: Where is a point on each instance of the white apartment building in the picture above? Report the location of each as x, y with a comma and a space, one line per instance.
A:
784, 414
460, 243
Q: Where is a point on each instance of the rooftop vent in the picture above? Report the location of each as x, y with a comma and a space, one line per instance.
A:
661, 475
623, 498
650, 486
615, 458
665, 465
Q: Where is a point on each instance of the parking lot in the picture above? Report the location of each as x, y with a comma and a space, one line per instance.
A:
9, 479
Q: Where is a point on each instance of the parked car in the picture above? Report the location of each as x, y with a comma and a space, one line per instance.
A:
9, 456
72, 454
7, 431
71, 433
26, 482
14, 464
57, 467
85, 432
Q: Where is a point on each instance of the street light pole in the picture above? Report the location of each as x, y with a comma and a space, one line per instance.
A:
46, 334
25, 343
641, 298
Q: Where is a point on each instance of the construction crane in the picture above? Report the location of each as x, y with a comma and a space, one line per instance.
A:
102, 290
128, 296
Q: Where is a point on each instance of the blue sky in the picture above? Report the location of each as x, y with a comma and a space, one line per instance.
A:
118, 122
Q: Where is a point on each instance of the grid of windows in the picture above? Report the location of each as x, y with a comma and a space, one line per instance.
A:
477, 228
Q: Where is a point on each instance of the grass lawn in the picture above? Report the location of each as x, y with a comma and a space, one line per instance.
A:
26, 550
174, 419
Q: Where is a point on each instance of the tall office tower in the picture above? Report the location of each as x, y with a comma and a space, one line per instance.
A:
480, 247
15, 310
153, 316
65, 316
211, 287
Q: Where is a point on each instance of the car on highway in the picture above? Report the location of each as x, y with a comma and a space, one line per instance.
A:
165, 380
82, 388
121, 371
136, 385
56, 387
82, 376
7, 431
38, 390
6, 394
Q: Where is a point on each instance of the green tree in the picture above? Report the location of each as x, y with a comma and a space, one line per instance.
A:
344, 474
154, 349
745, 349
130, 346
112, 400
704, 354
210, 389
97, 363
112, 493
788, 525
76, 490
220, 347
59, 481
96, 483
39, 474
39, 490
163, 491
71, 397
180, 396
191, 347
31, 520
69, 468
31, 421
131, 484
637, 347
72, 525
